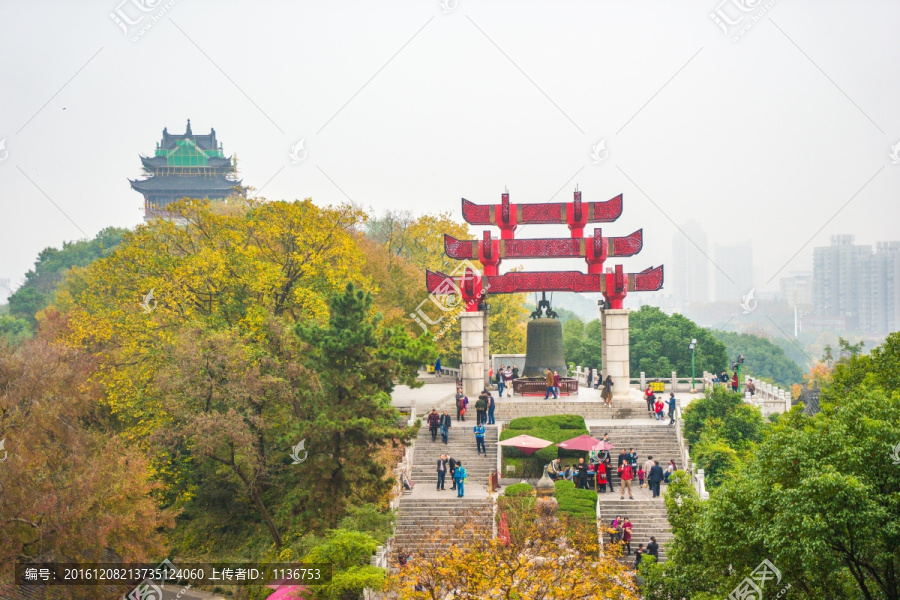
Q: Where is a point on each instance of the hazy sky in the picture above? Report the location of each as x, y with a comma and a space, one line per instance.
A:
782, 136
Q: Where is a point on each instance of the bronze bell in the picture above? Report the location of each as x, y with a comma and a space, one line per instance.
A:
544, 349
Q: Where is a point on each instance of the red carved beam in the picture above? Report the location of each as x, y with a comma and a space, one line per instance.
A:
545, 247
595, 250
575, 214
553, 281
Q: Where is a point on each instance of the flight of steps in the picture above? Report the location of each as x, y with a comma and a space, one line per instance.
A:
658, 441
423, 523
513, 408
462, 447
648, 517
425, 512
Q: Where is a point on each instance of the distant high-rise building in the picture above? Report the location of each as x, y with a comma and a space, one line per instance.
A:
838, 278
853, 282
797, 288
690, 269
733, 271
885, 287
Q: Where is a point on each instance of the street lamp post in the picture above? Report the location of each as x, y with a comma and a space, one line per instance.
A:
692, 346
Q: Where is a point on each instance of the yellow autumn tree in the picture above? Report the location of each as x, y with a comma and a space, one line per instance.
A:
546, 561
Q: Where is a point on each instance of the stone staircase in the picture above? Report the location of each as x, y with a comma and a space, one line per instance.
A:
513, 408
461, 446
648, 517
426, 517
424, 525
652, 439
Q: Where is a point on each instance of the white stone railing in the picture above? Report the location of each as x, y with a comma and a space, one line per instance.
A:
769, 398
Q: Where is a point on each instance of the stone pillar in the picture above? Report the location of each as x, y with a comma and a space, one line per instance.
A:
472, 368
487, 352
615, 350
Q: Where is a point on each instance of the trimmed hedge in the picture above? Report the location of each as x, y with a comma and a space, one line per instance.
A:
549, 422
574, 501
519, 489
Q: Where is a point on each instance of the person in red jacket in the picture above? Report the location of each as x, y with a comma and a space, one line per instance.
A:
434, 422
627, 477
556, 381
734, 382
601, 477
658, 408
626, 535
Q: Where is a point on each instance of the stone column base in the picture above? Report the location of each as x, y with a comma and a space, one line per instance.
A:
472, 368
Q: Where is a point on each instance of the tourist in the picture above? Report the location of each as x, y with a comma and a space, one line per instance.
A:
434, 423
451, 463
402, 558
479, 439
669, 470
551, 387
606, 394
641, 475
507, 380
724, 378
515, 371
626, 535
441, 472
751, 387
658, 409
606, 440
460, 476
554, 469
569, 473
608, 464
632, 459
734, 382
556, 382
623, 458
638, 555
597, 382
461, 403
650, 397
671, 403
590, 376
437, 367
501, 384
582, 469
602, 475
445, 423
655, 478
653, 548
481, 408
648, 464
492, 404
626, 475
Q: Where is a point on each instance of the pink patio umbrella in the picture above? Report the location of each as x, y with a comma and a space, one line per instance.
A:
584, 443
601, 445
285, 591
526, 443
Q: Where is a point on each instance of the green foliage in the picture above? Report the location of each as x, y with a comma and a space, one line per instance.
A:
581, 342
719, 428
519, 489
574, 501
820, 499
14, 330
764, 358
549, 422
369, 519
881, 368
50, 268
659, 345
349, 553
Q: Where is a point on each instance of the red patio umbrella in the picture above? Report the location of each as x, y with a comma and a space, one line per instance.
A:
526, 443
582, 442
601, 445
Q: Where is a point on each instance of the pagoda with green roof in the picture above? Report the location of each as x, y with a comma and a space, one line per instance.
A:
186, 166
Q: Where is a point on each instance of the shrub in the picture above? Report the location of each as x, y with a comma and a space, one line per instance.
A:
549, 422
519, 489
